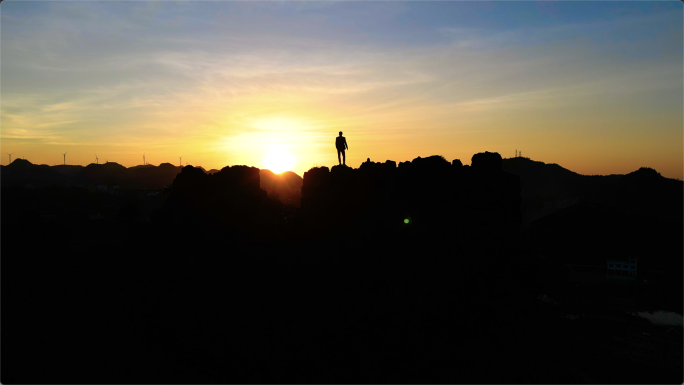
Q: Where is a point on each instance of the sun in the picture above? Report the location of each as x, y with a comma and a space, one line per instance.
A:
279, 160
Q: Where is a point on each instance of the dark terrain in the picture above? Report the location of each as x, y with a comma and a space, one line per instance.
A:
409, 273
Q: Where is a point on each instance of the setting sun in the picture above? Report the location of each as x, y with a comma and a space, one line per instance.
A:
279, 160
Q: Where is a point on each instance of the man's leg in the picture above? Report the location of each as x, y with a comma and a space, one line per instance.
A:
344, 157
338, 157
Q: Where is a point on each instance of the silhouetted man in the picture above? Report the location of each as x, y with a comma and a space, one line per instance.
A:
341, 144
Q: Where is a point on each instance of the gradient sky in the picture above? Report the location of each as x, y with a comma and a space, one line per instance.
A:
596, 87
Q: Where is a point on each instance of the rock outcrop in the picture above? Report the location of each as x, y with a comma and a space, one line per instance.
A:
286, 186
445, 233
433, 194
229, 197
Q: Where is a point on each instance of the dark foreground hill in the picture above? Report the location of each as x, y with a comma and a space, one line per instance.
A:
639, 215
546, 188
286, 186
409, 273
589, 233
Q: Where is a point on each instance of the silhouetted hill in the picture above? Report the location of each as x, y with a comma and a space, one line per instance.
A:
549, 182
22, 172
110, 173
141, 166
20, 163
411, 273
234, 189
68, 170
169, 166
286, 186
530, 168
588, 233
645, 193
633, 215
230, 199
374, 253
154, 177
546, 188
432, 191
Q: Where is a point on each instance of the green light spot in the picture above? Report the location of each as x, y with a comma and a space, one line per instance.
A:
405, 220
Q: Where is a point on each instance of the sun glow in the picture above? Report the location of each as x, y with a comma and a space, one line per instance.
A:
279, 160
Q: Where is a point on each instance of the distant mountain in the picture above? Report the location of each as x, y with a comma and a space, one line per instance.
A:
646, 193
286, 186
141, 166
23, 172
20, 163
109, 174
530, 167
588, 233
67, 169
548, 182
638, 215
153, 177
545, 188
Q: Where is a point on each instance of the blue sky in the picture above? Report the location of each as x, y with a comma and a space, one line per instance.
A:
595, 86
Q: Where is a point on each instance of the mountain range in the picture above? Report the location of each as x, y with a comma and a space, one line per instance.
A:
385, 273
285, 186
545, 188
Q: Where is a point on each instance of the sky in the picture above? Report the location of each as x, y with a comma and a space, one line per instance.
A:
596, 86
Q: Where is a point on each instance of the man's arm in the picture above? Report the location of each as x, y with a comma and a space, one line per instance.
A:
345, 143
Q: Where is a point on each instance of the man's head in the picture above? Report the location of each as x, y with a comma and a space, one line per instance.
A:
340, 133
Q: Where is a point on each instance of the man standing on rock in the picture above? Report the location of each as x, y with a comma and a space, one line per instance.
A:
341, 144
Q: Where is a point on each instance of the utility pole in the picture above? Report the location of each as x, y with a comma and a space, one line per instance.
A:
10, 158
144, 159
65, 157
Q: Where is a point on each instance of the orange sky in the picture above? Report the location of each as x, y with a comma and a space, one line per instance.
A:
598, 91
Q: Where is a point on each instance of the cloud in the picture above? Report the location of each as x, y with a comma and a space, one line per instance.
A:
121, 73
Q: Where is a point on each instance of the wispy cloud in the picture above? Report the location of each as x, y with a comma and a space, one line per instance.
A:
86, 73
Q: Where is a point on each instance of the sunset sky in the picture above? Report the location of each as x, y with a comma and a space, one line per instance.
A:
593, 86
